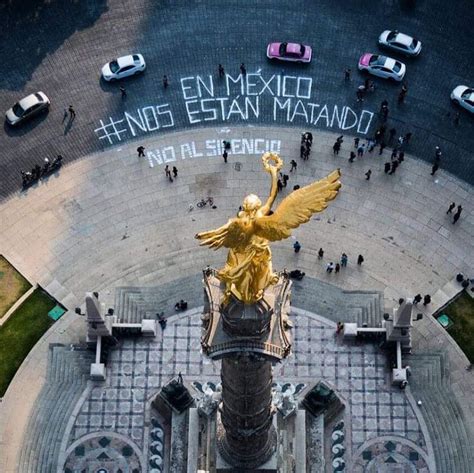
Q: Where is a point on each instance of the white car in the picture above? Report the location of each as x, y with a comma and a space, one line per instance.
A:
382, 66
27, 108
400, 42
124, 66
464, 96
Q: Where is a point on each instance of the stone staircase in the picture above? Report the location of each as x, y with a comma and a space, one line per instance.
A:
132, 304
66, 379
443, 416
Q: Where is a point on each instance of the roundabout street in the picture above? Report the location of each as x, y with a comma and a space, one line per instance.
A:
68, 43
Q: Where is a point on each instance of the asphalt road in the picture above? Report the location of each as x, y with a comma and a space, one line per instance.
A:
59, 47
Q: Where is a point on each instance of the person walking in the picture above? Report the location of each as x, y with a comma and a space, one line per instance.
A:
344, 259
356, 142
221, 70
451, 207
360, 150
385, 113
330, 267
401, 157
225, 155
320, 253
165, 81
367, 175
175, 172
457, 214
337, 268
417, 299
426, 299
123, 91
285, 178
347, 74
360, 260
382, 147
434, 168
243, 70
408, 137
336, 147
438, 152
293, 165
297, 246
72, 113
393, 156
141, 151
360, 94
386, 167
352, 157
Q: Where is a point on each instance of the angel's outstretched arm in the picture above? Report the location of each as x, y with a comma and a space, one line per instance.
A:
273, 170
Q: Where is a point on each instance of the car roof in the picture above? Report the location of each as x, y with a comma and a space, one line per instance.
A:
403, 39
293, 48
28, 101
126, 61
389, 63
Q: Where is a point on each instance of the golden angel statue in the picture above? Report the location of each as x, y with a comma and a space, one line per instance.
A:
248, 269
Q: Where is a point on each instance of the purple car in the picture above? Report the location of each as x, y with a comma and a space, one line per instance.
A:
294, 52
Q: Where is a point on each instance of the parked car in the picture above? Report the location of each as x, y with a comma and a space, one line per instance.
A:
124, 66
382, 66
400, 42
293, 52
27, 108
464, 96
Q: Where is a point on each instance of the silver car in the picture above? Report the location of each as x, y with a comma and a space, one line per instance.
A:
124, 66
464, 96
27, 108
393, 39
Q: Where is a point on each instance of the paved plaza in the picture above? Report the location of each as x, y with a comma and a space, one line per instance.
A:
110, 221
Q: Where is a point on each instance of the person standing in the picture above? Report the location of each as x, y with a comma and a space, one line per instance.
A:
320, 253
451, 207
293, 165
394, 167
279, 185
417, 299
141, 151
356, 142
360, 150
336, 147
427, 299
221, 70
225, 155
347, 74
382, 147
175, 172
391, 134
386, 167
408, 137
123, 91
401, 157
165, 81
344, 259
457, 214
330, 267
243, 70
360, 260
297, 246
367, 175
352, 157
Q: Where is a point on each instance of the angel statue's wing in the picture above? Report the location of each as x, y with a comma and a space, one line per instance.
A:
231, 235
298, 208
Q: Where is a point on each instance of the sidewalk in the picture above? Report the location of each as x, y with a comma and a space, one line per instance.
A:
114, 219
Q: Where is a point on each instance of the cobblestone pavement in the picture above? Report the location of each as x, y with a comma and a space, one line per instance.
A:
114, 220
68, 42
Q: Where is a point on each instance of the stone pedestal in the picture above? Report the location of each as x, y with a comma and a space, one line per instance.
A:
248, 338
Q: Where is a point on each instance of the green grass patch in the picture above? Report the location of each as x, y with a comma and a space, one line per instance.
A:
20, 333
461, 312
12, 285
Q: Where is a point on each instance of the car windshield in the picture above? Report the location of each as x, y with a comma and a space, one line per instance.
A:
392, 35
465, 94
414, 44
136, 58
377, 60
114, 67
396, 67
18, 110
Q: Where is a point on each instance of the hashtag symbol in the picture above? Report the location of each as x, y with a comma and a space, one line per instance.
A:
110, 130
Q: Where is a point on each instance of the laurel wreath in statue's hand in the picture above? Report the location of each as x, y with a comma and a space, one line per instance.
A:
269, 158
